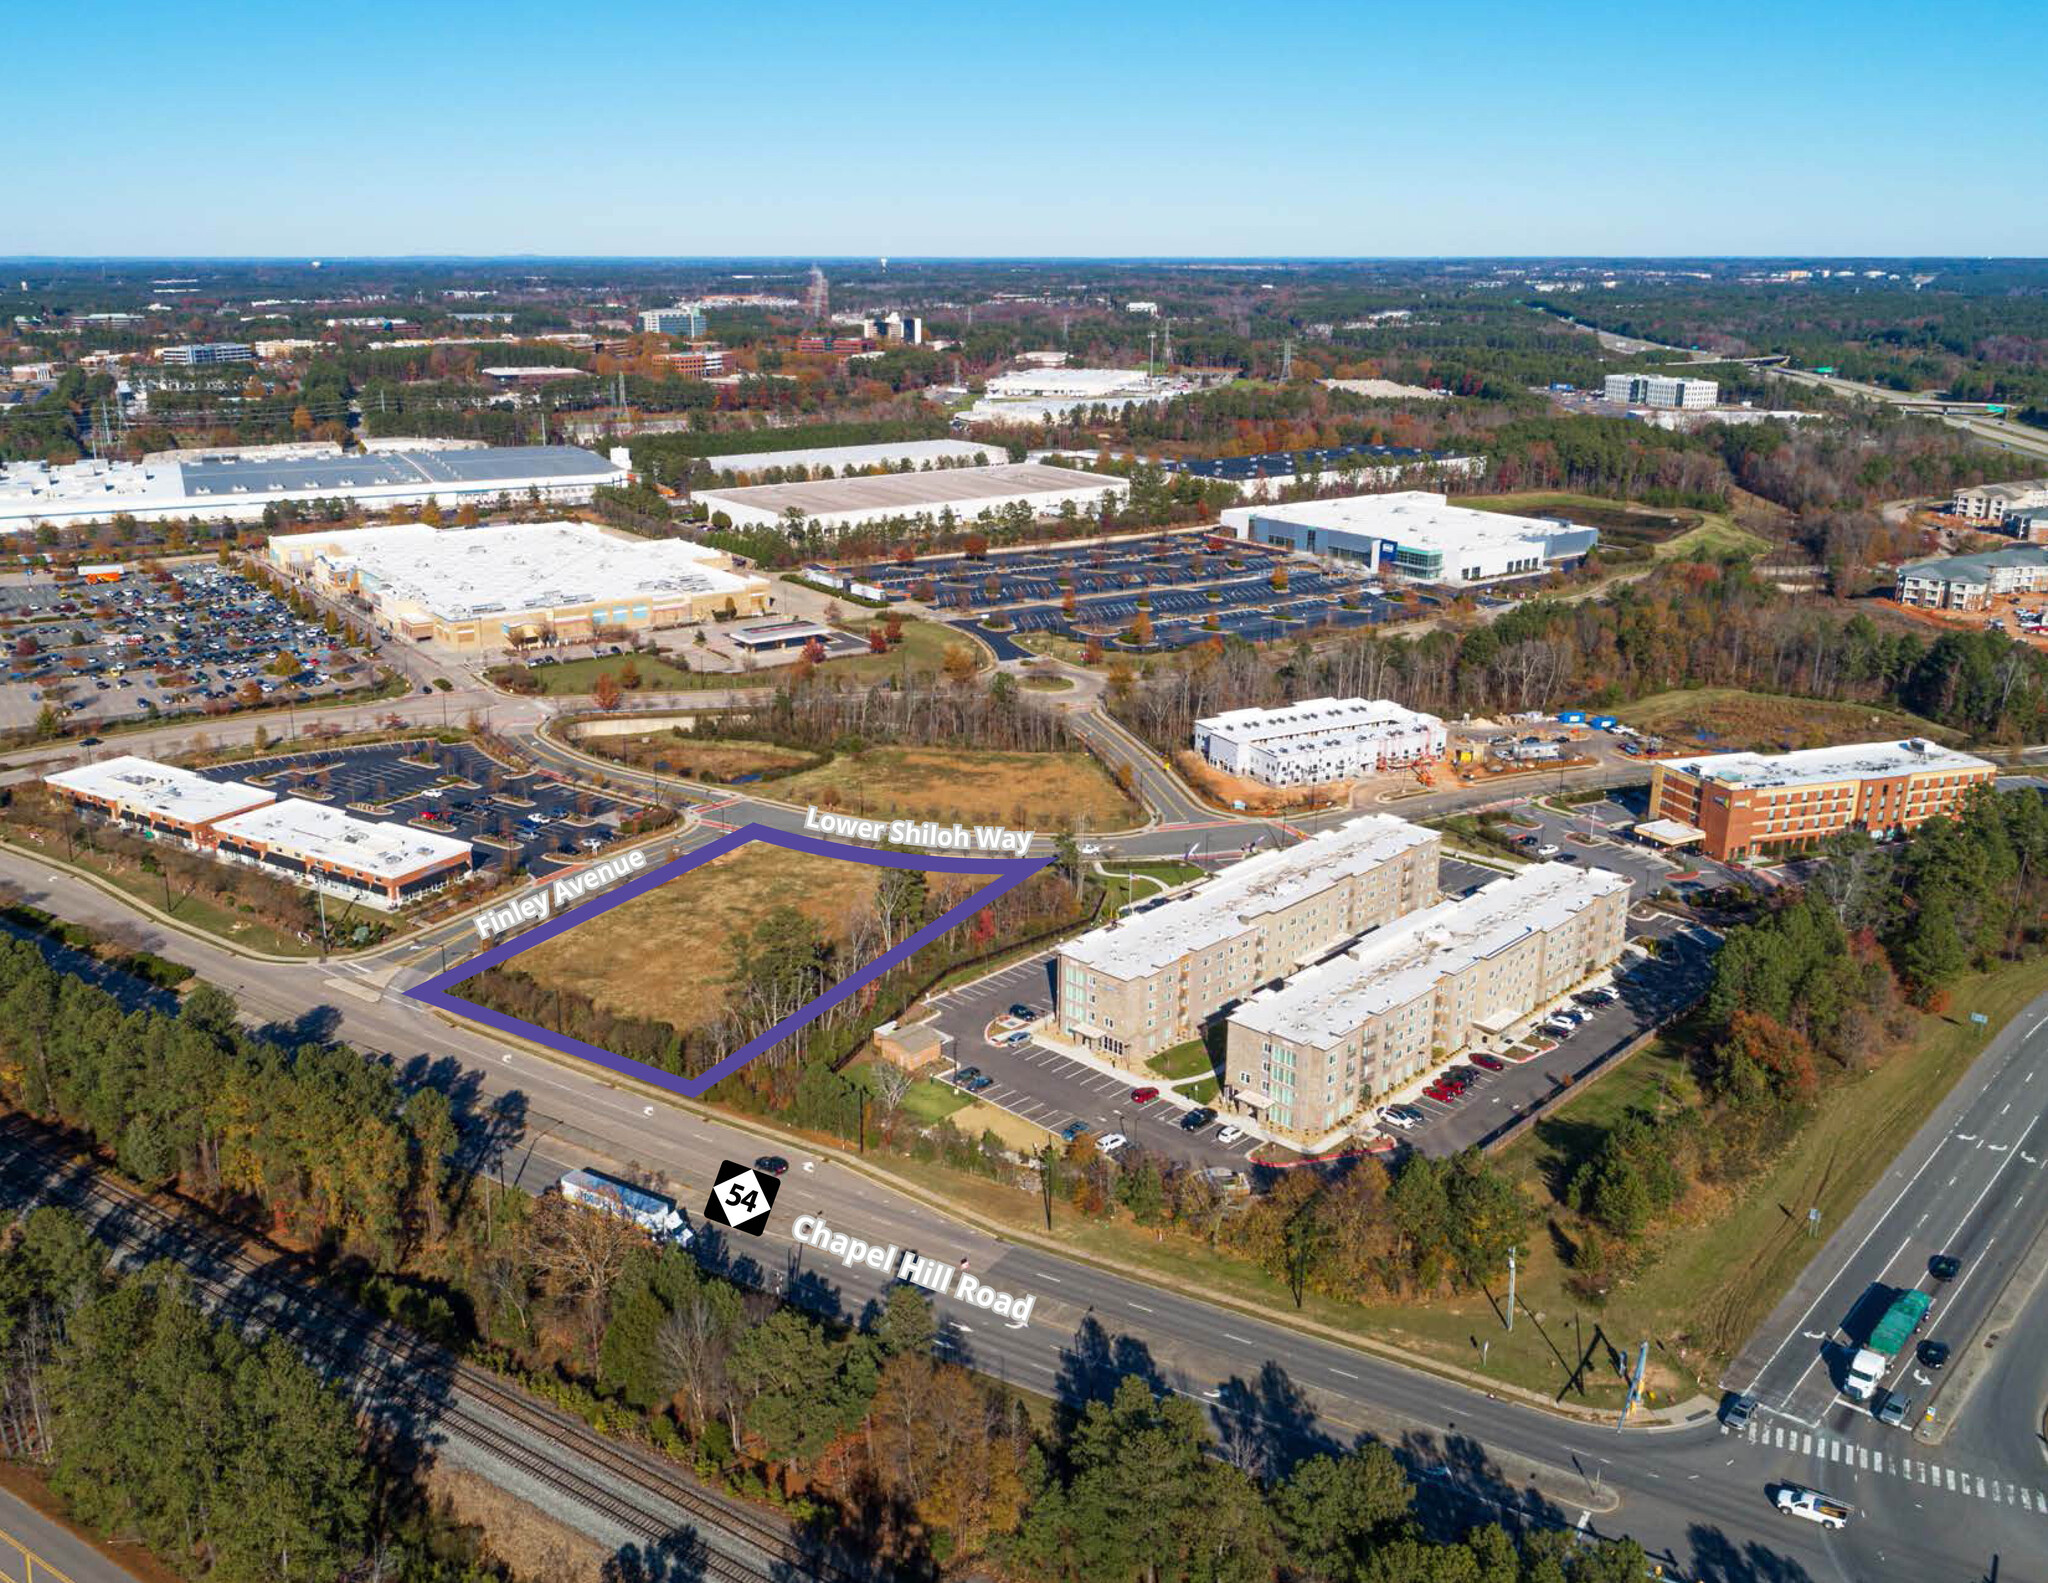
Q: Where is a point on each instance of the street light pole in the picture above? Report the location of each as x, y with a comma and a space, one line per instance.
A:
1511, 1289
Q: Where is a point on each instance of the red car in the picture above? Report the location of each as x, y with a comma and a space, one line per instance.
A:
1143, 1096
1439, 1093
1489, 1063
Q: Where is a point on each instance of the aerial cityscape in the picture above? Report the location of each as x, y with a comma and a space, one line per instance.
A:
744, 839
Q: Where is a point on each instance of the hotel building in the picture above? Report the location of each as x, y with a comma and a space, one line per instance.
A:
1149, 981
1306, 1056
1755, 805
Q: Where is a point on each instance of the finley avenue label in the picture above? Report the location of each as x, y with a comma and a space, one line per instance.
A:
934, 1275
538, 904
921, 832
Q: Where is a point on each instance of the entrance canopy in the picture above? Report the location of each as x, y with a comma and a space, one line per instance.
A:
1669, 833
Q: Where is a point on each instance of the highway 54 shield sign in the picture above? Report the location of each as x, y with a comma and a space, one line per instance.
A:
741, 1198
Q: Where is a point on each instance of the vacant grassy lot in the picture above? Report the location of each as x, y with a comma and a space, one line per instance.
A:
692, 758
1713, 539
921, 653
1729, 719
573, 678
1033, 791
667, 954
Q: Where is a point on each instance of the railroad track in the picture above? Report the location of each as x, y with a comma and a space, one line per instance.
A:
411, 1384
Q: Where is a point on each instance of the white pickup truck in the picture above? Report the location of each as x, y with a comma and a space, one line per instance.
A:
1795, 1500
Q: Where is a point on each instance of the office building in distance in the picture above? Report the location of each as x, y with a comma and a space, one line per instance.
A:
1418, 536
236, 485
1745, 805
684, 319
1041, 393
1319, 739
520, 584
965, 492
308, 843
1660, 390
1306, 1056
1971, 582
1993, 503
1348, 466
1150, 980
206, 354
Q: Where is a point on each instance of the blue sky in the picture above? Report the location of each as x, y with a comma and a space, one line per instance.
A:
1116, 128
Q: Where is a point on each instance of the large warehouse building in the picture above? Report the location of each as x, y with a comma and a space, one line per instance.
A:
308, 843
966, 492
833, 461
531, 582
1307, 1056
1754, 805
236, 487
1319, 739
1149, 981
1417, 535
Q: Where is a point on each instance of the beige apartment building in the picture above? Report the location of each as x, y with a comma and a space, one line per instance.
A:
1149, 981
1307, 1056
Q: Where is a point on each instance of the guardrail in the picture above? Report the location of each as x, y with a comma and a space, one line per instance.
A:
33, 1568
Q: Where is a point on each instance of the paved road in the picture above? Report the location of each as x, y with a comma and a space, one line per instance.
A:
31, 1544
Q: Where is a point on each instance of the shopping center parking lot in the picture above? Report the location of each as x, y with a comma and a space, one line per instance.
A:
102, 652
463, 792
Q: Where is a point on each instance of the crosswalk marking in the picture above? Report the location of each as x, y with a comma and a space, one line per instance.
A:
1951, 1475
1862, 1458
1806, 1445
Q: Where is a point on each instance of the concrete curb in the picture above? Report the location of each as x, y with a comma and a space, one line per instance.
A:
1662, 1419
1974, 1356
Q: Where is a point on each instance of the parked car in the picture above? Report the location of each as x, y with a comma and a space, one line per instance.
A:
1489, 1063
1021, 1010
1228, 1135
1549, 849
1394, 1116
978, 1083
1196, 1119
1072, 1130
966, 1075
1145, 1095
1021, 1036
1415, 1117
1110, 1144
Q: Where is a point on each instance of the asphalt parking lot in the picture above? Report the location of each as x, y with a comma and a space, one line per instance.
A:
1596, 833
1048, 1088
103, 652
1650, 990
463, 793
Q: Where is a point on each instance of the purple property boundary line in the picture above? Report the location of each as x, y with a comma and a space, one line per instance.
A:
1007, 874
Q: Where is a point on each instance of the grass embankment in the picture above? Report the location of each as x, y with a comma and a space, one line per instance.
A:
1129, 882
1707, 1282
667, 954
1028, 791
1730, 718
1665, 534
574, 678
1490, 835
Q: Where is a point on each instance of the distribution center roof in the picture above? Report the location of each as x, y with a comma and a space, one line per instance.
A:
1336, 459
1143, 943
966, 487
464, 573
149, 787
1854, 761
1394, 965
311, 830
1409, 516
843, 456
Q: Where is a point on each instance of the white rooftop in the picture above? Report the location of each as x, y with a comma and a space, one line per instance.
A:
463, 573
1813, 766
1418, 517
1143, 943
844, 456
305, 829
1315, 715
149, 787
1394, 965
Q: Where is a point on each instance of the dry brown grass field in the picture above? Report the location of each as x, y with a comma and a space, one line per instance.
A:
668, 753
1733, 720
1032, 791
667, 954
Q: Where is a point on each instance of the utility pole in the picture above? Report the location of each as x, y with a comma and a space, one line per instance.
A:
321, 897
1511, 1289
1635, 1385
